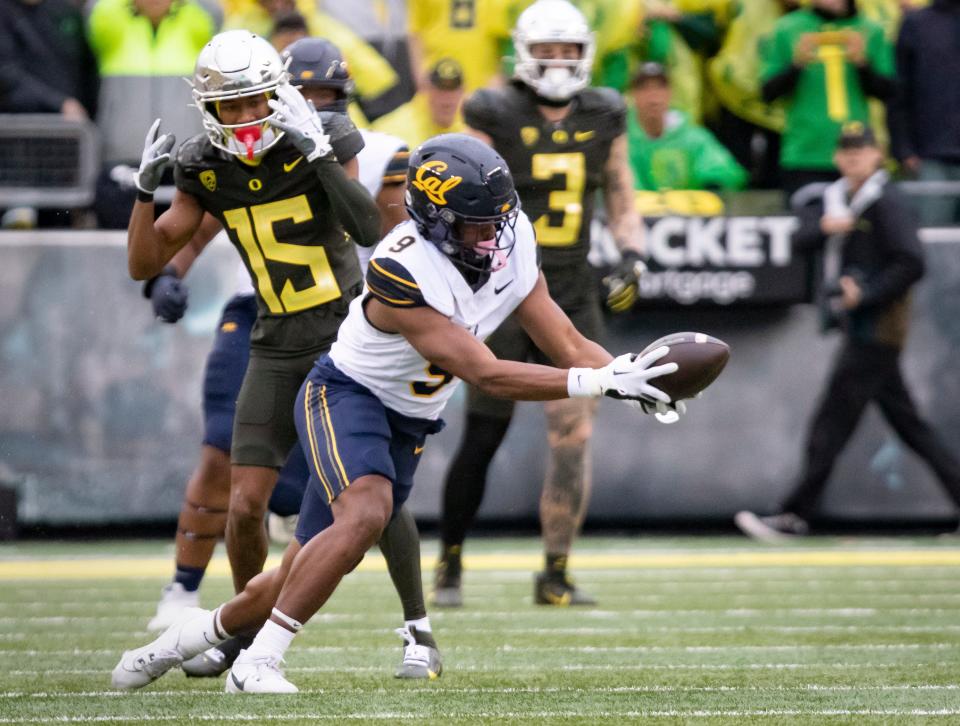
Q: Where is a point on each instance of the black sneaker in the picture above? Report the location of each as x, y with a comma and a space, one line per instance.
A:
218, 659
559, 590
774, 528
447, 590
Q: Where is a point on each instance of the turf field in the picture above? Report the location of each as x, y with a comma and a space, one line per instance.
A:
690, 630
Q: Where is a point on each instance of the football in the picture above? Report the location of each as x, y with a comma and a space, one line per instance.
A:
700, 359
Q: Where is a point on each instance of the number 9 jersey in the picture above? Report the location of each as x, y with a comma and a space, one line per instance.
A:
408, 271
557, 166
277, 214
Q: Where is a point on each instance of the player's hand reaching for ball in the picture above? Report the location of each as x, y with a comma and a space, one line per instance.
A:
625, 377
297, 117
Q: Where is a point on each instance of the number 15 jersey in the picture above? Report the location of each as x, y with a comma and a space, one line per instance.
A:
407, 271
277, 214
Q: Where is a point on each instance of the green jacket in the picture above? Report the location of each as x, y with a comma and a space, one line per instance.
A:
685, 156
828, 92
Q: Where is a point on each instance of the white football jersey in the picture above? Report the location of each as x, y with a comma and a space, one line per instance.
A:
378, 149
409, 271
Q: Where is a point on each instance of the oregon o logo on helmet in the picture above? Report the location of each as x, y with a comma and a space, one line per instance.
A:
433, 186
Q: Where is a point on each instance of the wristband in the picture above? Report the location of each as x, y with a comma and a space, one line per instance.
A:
145, 197
584, 383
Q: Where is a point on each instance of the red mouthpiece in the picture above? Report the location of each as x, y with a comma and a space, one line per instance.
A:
247, 136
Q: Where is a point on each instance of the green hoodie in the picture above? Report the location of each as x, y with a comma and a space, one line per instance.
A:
685, 156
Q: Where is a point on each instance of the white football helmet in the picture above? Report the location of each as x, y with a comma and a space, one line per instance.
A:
235, 64
553, 21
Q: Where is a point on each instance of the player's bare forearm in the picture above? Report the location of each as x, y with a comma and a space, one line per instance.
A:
619, 197
458, 352
151, 243
183, 260
553, 333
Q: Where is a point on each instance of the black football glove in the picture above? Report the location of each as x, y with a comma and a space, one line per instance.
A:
167, 294
621, 284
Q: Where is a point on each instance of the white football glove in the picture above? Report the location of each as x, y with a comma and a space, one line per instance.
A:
665, 413
156, 156
626, 377
297, 117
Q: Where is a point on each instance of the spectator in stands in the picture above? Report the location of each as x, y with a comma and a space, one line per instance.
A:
924, 119
45, 67
144, 49
45, 62
667, 150
434, 110
288, 27
471, 32
872, 258
824, 60
372, 74
746, 124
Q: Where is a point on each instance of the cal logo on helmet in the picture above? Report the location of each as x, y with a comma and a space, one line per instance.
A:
429, 182
209, 179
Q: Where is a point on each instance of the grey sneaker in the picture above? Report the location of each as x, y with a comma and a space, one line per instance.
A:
774, 528
421, 658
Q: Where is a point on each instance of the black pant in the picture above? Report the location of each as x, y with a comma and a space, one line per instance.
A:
865, 372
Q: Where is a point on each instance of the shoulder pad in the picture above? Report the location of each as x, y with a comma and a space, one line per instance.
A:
392, 284
194, 151
607, 106
602, 100
344, 136
484, 110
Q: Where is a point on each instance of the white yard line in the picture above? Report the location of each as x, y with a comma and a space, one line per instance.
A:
433, 688
539, 668
316, 649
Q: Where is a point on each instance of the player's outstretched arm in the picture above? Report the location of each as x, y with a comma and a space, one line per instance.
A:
550, 328
458, 352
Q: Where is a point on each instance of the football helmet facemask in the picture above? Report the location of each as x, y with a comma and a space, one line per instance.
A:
318, 63
237, 64
459, 190
553, 21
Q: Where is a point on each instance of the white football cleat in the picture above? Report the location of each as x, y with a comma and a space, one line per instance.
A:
173, 601
144, 665
251, 674
419, 660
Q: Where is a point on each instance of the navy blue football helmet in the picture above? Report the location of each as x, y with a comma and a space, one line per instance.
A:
318, 63
456, 180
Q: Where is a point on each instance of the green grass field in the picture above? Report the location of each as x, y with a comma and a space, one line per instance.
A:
688, 630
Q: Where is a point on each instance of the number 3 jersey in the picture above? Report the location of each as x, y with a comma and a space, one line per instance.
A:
303, 265
557, 166
407, 271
